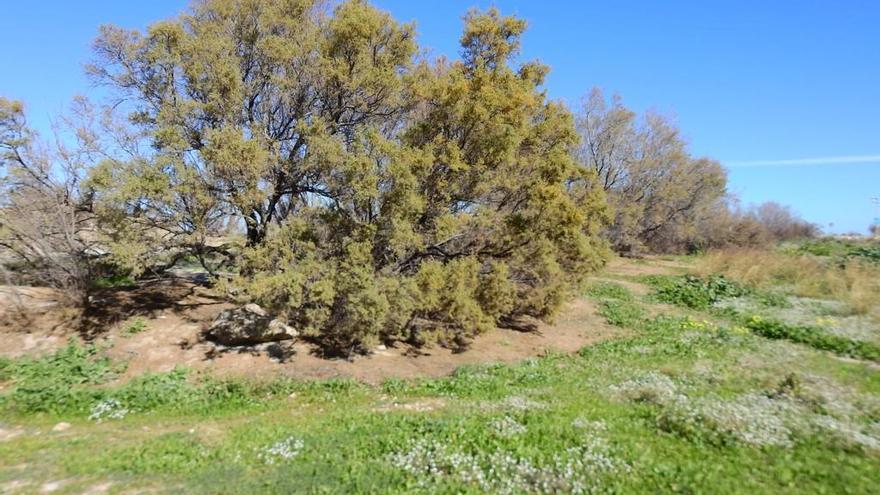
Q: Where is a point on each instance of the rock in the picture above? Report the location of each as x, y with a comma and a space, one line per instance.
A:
248, 325
61, 426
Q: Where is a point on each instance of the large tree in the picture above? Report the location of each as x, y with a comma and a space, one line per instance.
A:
382, 197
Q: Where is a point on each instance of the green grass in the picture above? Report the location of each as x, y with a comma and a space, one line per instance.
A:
684, 403
702, 293
616, 304
866, 250
814, 337
134, 326
695, 292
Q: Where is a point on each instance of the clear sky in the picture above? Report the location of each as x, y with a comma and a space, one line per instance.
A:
786, 93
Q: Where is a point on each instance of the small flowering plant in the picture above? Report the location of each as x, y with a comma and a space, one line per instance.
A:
108, 409
280, 451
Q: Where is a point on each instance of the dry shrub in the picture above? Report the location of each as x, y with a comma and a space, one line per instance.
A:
854, 282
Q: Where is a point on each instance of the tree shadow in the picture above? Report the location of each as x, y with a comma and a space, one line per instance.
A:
520, 324
279, 351
148, 299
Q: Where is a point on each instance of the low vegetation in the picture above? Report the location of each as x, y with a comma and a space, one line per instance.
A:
851, 280
304, 162
692, 397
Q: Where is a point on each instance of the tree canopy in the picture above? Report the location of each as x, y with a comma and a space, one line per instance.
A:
382, 196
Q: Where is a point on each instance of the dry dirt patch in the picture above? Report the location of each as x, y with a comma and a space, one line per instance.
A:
175, 313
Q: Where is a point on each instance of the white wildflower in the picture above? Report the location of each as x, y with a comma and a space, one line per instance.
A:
846, 433
507, 427
652, 387
108, 409
280, 451
586, 424
578, 470
523, 404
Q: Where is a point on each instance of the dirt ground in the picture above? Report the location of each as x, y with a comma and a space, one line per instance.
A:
176, 313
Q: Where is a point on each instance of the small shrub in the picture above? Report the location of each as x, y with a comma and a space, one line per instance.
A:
135, 326
621, 313
696, 292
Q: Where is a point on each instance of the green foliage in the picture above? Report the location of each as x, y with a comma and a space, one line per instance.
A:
383, 198
771, 299
608, 290
135, 326
867, 252
621, 313
842, 249
616, 304
432, 232
679, 403
814, 337
59, 381
695, 292
670, 407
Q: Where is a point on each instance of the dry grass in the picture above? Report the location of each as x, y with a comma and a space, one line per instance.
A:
855, 283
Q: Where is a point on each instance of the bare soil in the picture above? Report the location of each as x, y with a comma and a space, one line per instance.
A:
176, 312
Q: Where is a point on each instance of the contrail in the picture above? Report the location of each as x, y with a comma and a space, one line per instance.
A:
830, 160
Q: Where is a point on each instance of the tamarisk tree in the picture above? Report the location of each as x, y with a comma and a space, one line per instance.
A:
382, 196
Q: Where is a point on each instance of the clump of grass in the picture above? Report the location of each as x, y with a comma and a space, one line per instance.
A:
616, 304
73, 381
609, 290
135, 326
837, 248
58, 381
695, 292
624, 314
815, 337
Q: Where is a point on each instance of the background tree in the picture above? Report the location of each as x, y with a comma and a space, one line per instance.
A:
657, 190
781, 223
46, 228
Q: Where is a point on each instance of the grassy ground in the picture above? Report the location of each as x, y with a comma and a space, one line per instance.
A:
701, 396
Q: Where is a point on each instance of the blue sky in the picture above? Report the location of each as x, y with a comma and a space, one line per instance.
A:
757, 85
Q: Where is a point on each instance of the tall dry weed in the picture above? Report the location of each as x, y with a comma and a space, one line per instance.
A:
855, 283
